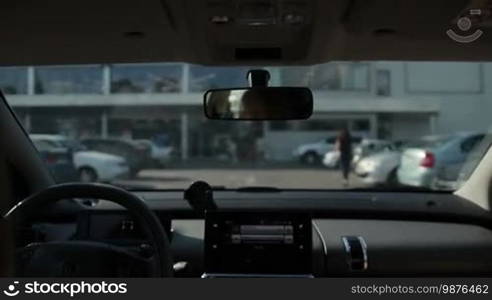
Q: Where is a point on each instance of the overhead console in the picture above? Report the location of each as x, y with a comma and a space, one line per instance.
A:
253, 30
242, 244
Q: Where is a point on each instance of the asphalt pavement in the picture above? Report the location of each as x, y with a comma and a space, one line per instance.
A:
287, 177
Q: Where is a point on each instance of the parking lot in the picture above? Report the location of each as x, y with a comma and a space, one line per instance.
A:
310, 178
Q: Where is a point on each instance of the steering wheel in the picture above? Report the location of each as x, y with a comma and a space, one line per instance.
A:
82, 258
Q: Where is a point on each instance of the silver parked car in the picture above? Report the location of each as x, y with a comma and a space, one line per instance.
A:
312, 153
365, 148
380, 168
422, 161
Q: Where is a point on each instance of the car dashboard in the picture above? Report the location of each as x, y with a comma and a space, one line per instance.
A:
303, 234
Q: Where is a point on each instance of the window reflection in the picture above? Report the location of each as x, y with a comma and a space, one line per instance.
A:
13, 80
68, 80
146, 78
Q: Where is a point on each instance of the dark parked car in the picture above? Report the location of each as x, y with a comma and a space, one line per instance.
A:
138, 157
58, 160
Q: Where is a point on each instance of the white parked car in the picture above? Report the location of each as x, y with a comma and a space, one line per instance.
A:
366, 147
379, 168
159, 154
314, 153
331, 159
97, 166
91, 165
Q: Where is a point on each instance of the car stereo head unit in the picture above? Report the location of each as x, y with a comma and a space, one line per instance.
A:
271, 244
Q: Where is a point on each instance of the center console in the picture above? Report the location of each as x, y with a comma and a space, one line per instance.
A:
242, 244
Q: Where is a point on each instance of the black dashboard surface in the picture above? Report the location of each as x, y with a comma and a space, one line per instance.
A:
442, 207
317, 200
394, 248
405, 234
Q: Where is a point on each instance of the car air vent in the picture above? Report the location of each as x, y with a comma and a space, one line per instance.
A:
258, 53
356, 250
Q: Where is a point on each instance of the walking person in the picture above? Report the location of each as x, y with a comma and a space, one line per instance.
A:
344, 147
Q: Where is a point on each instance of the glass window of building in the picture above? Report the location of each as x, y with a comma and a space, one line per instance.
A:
68, 80
383, 83
146, 78
203, 78
331, 76
13, 80
296, 76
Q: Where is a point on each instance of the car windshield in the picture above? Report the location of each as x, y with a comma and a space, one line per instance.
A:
142, 126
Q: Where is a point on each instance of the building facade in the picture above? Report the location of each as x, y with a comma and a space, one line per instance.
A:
390, 100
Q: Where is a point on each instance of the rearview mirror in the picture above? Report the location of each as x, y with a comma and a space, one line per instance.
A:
259, 103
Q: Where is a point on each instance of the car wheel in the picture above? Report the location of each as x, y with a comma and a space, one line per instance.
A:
87, 175
310, 158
